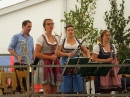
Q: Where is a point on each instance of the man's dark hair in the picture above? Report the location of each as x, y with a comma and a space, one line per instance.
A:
24, 23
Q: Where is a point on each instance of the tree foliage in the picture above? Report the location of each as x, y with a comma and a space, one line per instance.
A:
117, 24
82, 19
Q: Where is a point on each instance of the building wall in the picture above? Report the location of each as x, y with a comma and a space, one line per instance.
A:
10, 24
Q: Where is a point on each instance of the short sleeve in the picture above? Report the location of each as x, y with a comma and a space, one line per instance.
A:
81, 41
13, 42
40, 40
115, 50
96, 49
61, 42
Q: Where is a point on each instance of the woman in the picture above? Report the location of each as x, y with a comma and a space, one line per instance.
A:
66, 49
106, 52
46, 45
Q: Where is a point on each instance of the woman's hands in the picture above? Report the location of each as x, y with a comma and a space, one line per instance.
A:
71, 54
109, 59
58, 53
53, 57
20, 59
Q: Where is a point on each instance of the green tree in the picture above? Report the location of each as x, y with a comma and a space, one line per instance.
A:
117, 24
82, 19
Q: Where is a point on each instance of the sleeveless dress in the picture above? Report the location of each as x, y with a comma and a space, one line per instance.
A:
52, 75
108, 82
73, 83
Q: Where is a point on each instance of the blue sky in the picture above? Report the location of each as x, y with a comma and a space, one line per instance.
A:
5, 3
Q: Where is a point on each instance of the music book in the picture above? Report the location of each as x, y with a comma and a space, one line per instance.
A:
125, 70
74, 61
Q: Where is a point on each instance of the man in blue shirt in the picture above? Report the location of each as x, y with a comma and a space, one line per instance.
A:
15, 50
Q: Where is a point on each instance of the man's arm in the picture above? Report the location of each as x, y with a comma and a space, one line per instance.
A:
13, 53
16, 55
33, 56
11, 47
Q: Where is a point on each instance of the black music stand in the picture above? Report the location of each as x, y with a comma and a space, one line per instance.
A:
69, 70
125, 70
94, 71
74, 70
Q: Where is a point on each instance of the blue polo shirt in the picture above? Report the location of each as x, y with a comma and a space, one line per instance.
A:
15, 45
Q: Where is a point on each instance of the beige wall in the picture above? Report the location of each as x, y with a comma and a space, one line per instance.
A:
10, 23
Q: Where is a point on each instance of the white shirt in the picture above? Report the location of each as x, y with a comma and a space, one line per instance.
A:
69, 46
40, 40
96, 49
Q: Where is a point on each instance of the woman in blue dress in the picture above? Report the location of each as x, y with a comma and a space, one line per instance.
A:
66, 48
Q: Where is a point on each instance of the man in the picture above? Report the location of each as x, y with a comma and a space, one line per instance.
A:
15, 50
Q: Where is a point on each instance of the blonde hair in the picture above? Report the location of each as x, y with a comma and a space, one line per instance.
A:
102, 34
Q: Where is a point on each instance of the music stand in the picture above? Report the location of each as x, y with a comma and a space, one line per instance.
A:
74, 70
94, 71
68, 70
124, 70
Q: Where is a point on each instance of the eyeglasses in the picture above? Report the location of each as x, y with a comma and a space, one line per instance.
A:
48, 24
107, 35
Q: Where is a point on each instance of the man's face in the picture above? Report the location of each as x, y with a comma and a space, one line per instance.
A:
27, 28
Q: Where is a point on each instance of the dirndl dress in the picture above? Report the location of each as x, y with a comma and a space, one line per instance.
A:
51, 75
110, 82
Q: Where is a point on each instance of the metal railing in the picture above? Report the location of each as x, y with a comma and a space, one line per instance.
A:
33, 94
